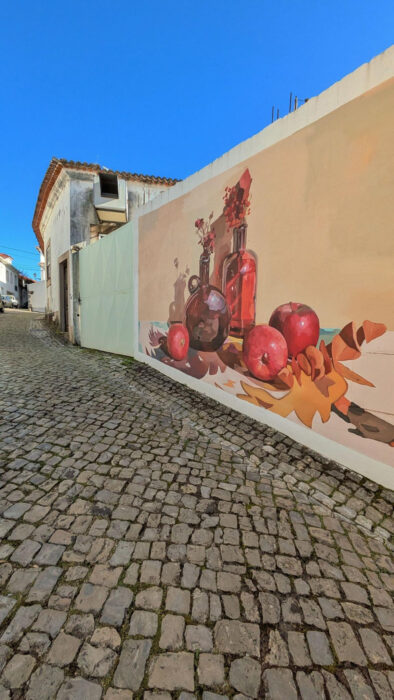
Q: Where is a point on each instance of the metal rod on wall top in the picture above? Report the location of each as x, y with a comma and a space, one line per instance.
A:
291, 99
277, 113
273, 113
295, 102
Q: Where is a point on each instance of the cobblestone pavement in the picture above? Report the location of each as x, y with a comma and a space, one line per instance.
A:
156, 545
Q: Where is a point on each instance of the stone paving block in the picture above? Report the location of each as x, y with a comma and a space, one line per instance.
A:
91, 598
35, 643
279, 683
115, 694
104, 575
311, 685
106, 637
143, 623
359, 688
178, 601
44, 683
131, 668
115, 608
49, 621
22, 620
63, 650
44, 584
319, 648
198, 638
172, 630
79, 689
345, 643
374, 647
49, 554
149, 599
245, 676
172, 671
96, 662
233, 637
80, 626
18, 671
21, 580
211, 669
7, 603
25, 553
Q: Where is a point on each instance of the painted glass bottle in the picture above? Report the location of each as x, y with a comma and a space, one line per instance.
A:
207, 314
239, 284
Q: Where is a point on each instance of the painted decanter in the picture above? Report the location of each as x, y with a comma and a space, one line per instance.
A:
206, 311
239, 284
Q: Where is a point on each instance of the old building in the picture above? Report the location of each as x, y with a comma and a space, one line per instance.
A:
78, 203
8, 276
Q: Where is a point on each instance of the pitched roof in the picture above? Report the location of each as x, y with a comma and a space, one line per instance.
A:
4, 255
56, 166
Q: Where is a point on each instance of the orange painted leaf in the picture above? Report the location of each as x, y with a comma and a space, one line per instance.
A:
350, 375
373, 330
296, 369
304, 363
326, 357
349, 336
305, 399
340, 350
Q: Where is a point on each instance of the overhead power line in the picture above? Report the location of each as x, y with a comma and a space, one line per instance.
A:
19, 250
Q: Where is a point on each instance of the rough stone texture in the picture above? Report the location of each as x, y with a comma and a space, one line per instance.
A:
79, 689
143, 623
44, 683
172, 629
245, 675
143, 524
96, 661
130, 671
211, 669
233, 637
64, 649
172, 671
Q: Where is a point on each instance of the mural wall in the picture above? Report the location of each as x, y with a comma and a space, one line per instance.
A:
273, 281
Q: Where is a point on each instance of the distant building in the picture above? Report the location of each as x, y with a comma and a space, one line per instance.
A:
8, 276
77, 204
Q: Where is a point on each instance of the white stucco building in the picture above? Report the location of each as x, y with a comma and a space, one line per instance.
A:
78, 203
8, 276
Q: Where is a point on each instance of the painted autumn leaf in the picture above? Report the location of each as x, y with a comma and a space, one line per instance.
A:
305, 398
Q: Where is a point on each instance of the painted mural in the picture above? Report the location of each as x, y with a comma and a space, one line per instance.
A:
279, 353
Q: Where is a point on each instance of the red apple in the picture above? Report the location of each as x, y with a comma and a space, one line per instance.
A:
264, 352
299, 324
177, 341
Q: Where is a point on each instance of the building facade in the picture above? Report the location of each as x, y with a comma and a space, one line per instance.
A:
77, 204
9, 277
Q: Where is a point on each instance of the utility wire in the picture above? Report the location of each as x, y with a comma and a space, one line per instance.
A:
20, 250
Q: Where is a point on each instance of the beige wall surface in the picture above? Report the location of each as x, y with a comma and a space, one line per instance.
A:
321, 226
321, 220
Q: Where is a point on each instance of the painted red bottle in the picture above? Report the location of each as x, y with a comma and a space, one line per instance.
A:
206, 311
239, 284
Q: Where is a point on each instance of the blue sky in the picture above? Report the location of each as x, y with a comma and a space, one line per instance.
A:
157, 87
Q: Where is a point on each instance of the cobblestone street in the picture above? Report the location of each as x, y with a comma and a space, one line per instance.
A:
157, 545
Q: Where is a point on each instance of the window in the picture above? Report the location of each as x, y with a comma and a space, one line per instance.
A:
48, 261
109, 185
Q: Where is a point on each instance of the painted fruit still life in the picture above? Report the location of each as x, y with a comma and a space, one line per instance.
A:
289, 365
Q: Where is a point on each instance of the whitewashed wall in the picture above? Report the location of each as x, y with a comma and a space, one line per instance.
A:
107, 319
37, 295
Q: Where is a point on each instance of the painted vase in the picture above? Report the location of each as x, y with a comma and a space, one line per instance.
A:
239, 284
206, 311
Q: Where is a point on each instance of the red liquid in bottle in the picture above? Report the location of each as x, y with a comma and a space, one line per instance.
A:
239, 284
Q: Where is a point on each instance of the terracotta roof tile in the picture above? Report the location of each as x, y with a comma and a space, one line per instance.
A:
56, 166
